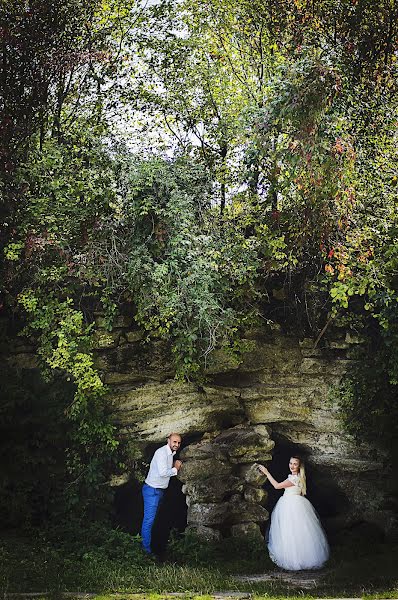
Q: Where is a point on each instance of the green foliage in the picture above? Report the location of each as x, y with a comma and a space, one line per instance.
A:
178, 280
42, 44
66, 187
34, 433
64, 347
66, 557
333, 195
368, 394
38, 564
238, 555
279, 124
100, 542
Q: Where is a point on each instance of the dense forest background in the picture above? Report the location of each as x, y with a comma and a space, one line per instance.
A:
194, 161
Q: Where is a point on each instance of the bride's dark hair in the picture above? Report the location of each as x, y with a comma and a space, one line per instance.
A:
303, 479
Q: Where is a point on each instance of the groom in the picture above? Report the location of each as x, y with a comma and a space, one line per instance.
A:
157, 481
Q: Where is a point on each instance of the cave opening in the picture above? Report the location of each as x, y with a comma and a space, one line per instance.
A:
324, 493
172, 512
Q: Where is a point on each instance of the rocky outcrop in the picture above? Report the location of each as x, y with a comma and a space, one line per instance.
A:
155, 409
279, 393
277, 396
222, 483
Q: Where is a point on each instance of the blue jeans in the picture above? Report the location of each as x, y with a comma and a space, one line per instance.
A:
152, 497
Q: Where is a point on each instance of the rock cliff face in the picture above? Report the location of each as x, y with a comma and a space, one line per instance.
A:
274, 402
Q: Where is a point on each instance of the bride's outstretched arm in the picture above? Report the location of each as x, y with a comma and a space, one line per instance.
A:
273, 482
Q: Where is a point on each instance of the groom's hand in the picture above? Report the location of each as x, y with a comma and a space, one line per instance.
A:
177, 464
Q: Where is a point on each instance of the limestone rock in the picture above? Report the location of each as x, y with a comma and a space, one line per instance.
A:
138, 361
247, 530
339, 345
212, 489
212, 471
255, 495
205, 533
317, 365
117, 480
117, 379
202, 450
245, 512
252, 475
106, 339
312, 352
207, 468
246, 445
221, 361
347, 464
352, 338
280, 355
297, 404
307, 343
226, 514
207, 514
278, 391
154, 410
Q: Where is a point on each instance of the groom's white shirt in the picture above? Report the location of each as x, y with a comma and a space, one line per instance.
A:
161, 468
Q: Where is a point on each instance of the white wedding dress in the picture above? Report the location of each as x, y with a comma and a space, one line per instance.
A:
296, 538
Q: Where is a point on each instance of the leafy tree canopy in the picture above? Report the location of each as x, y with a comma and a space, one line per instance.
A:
196, 162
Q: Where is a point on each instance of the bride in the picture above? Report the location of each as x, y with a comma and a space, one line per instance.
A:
296, 538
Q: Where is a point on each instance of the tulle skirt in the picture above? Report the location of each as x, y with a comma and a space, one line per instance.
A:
296, 538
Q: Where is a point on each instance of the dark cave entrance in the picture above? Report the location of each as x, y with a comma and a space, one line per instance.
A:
323, 491
172, 512
128, 506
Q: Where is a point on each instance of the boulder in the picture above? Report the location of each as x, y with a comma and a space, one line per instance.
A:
249, 531
255, 495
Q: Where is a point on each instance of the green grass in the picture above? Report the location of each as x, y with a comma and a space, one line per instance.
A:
118, 566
